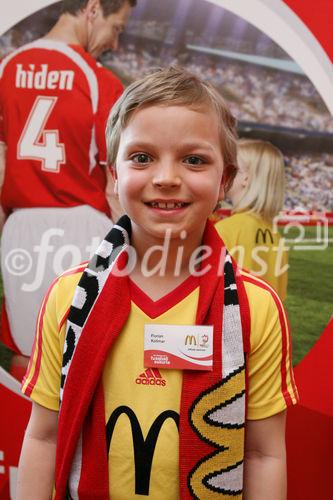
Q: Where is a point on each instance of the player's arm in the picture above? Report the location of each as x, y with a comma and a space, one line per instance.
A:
265, 459
37, 461
271, 389
42, 385
2, 175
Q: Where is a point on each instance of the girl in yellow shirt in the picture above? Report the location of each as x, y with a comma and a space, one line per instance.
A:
257, 196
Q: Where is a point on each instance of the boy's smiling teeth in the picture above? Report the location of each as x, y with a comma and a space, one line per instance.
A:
167, 205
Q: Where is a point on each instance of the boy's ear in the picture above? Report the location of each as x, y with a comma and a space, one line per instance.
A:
113, 172
224, 184
114, 178
222, 191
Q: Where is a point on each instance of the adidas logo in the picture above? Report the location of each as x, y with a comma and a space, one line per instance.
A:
151, 376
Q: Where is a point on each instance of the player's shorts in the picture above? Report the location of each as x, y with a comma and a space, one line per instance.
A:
38, 244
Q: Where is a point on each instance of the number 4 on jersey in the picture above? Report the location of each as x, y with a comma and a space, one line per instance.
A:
38, 144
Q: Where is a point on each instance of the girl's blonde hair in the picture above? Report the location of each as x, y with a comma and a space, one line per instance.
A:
264, 164
174, 86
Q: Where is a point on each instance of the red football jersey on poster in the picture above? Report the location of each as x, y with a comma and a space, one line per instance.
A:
54, 103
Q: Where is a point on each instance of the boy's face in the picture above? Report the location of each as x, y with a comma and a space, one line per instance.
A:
169, 170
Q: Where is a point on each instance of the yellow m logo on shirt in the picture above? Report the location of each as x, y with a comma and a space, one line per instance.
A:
143, 448
263, 235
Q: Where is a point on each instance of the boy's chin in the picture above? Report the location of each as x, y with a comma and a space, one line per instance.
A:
164, 231
176, 233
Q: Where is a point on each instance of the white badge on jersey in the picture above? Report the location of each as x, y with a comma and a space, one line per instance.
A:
178, 347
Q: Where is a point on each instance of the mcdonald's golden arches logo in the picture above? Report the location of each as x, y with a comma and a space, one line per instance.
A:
264, 234
190, 339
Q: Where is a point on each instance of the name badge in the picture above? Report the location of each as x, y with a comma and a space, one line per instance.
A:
178, 347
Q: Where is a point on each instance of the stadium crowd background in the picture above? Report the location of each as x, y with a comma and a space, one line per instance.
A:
257, 94
254, 93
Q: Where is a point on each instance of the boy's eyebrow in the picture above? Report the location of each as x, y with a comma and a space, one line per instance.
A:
138, 144
183, 145
196, 145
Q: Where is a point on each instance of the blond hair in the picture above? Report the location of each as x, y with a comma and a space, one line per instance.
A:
266, 183
169, 87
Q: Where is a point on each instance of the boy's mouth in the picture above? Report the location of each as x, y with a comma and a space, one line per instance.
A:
167, 205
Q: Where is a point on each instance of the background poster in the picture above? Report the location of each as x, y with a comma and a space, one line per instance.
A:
272, 61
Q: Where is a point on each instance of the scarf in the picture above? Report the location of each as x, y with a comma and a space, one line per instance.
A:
212, 409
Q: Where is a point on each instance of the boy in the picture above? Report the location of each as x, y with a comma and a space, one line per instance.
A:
173, 143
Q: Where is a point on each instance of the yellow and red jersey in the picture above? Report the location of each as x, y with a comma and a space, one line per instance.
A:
136, 398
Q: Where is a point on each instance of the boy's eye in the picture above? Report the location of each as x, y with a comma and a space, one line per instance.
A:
140, 158
194, 160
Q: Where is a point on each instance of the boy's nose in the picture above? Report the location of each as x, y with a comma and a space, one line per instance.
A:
167, 176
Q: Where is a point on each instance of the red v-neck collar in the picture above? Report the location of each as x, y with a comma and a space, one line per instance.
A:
152, 308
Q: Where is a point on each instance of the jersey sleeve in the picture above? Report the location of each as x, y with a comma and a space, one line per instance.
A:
110, 89
271, 384
42, 380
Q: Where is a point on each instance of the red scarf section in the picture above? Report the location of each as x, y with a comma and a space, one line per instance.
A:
82, 409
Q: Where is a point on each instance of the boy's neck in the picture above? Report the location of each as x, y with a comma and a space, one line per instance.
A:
168, 257
157, 286
165, 271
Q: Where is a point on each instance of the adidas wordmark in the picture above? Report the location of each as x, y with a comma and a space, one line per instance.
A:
151, 376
